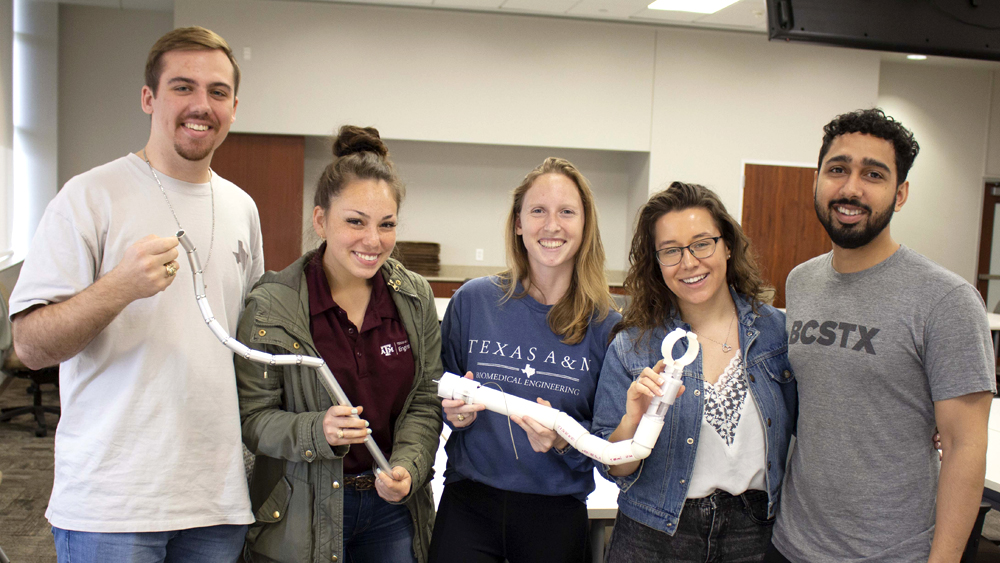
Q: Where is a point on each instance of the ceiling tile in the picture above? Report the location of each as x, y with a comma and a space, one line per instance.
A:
665, 15
608, 8
153, 5
539, 6
745, 13
474, 4
385, 2
100, 3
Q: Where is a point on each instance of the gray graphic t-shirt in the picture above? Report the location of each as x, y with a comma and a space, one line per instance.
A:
872, 351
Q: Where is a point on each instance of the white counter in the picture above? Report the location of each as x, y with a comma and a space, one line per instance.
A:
993, 448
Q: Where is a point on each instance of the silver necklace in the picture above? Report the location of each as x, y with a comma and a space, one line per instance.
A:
211, 190
725, 345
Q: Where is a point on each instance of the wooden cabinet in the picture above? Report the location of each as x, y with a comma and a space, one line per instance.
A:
444, 289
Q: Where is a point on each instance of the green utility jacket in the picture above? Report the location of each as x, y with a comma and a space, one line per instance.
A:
296, 490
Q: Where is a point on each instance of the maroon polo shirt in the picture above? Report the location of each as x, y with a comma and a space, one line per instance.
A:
373, 365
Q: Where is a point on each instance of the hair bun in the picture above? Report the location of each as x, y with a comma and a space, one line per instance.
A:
353, 139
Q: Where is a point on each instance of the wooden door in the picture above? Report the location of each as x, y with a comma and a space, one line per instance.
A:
991, 197
270, 168
779, 218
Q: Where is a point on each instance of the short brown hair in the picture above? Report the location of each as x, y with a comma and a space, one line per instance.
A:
187, 39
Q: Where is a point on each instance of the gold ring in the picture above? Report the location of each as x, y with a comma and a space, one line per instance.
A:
340, 434
461, 417
171, 269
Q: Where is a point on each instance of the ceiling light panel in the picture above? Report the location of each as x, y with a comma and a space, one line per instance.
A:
696, 6
745, 13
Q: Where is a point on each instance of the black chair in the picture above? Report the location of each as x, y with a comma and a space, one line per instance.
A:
13, 367
972, 547
38, 378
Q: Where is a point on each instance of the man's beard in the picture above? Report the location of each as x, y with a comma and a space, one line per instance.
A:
858, 234
196, 150
194, 153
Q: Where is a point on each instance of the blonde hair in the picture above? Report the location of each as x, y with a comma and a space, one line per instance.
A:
587, 298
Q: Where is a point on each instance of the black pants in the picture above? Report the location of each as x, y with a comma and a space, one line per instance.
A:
719, 527
477, 523
774, 556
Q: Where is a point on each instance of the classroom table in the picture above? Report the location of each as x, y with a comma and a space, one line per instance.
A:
993, 449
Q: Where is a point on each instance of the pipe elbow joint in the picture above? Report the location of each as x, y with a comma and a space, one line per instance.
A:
639, 451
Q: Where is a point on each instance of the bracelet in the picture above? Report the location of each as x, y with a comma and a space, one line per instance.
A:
562, 451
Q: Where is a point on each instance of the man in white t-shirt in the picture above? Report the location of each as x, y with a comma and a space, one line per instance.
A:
148, 460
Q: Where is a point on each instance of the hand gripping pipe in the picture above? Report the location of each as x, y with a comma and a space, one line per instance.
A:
452, 386
326, 376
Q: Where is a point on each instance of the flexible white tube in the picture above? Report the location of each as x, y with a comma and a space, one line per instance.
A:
240, 349
452, 386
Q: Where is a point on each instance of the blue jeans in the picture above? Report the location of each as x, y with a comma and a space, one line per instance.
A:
719, 527
376, 531
212, 544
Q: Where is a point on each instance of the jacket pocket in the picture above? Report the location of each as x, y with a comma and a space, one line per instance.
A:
778, 368
272, 511
283, 532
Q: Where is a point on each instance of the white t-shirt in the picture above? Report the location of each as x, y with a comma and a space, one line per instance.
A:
731, 448
149, 437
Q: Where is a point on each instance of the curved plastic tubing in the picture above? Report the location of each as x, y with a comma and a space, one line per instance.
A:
452, 386
326, 376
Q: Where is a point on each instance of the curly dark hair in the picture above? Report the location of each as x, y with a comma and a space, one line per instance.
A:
876, 123
652, 301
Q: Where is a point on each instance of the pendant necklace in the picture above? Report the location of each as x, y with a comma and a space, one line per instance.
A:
725, 345
211, 190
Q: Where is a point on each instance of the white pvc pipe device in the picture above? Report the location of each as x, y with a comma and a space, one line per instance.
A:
326, 376
452, 386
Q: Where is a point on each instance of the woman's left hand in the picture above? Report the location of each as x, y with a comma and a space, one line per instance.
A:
542, 439
395, 487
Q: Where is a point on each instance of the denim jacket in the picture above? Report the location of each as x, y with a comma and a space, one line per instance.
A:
654, 494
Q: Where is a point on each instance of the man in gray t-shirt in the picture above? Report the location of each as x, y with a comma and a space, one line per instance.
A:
885, 345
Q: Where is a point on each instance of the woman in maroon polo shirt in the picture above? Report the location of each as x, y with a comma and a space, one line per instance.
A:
375, 325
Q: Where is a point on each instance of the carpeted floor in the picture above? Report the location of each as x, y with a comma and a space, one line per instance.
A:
26, 464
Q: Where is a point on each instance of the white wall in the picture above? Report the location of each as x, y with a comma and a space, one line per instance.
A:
722, 98
993, 143
450, 89
947, 109
436, 75
35, 103
102, 58
458, 194
6, 121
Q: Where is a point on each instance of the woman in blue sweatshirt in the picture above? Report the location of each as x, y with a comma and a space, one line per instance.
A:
538, 330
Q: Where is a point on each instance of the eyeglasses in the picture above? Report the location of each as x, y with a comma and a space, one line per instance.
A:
700, 249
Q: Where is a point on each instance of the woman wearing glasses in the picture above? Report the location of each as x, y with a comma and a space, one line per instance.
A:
711, 484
